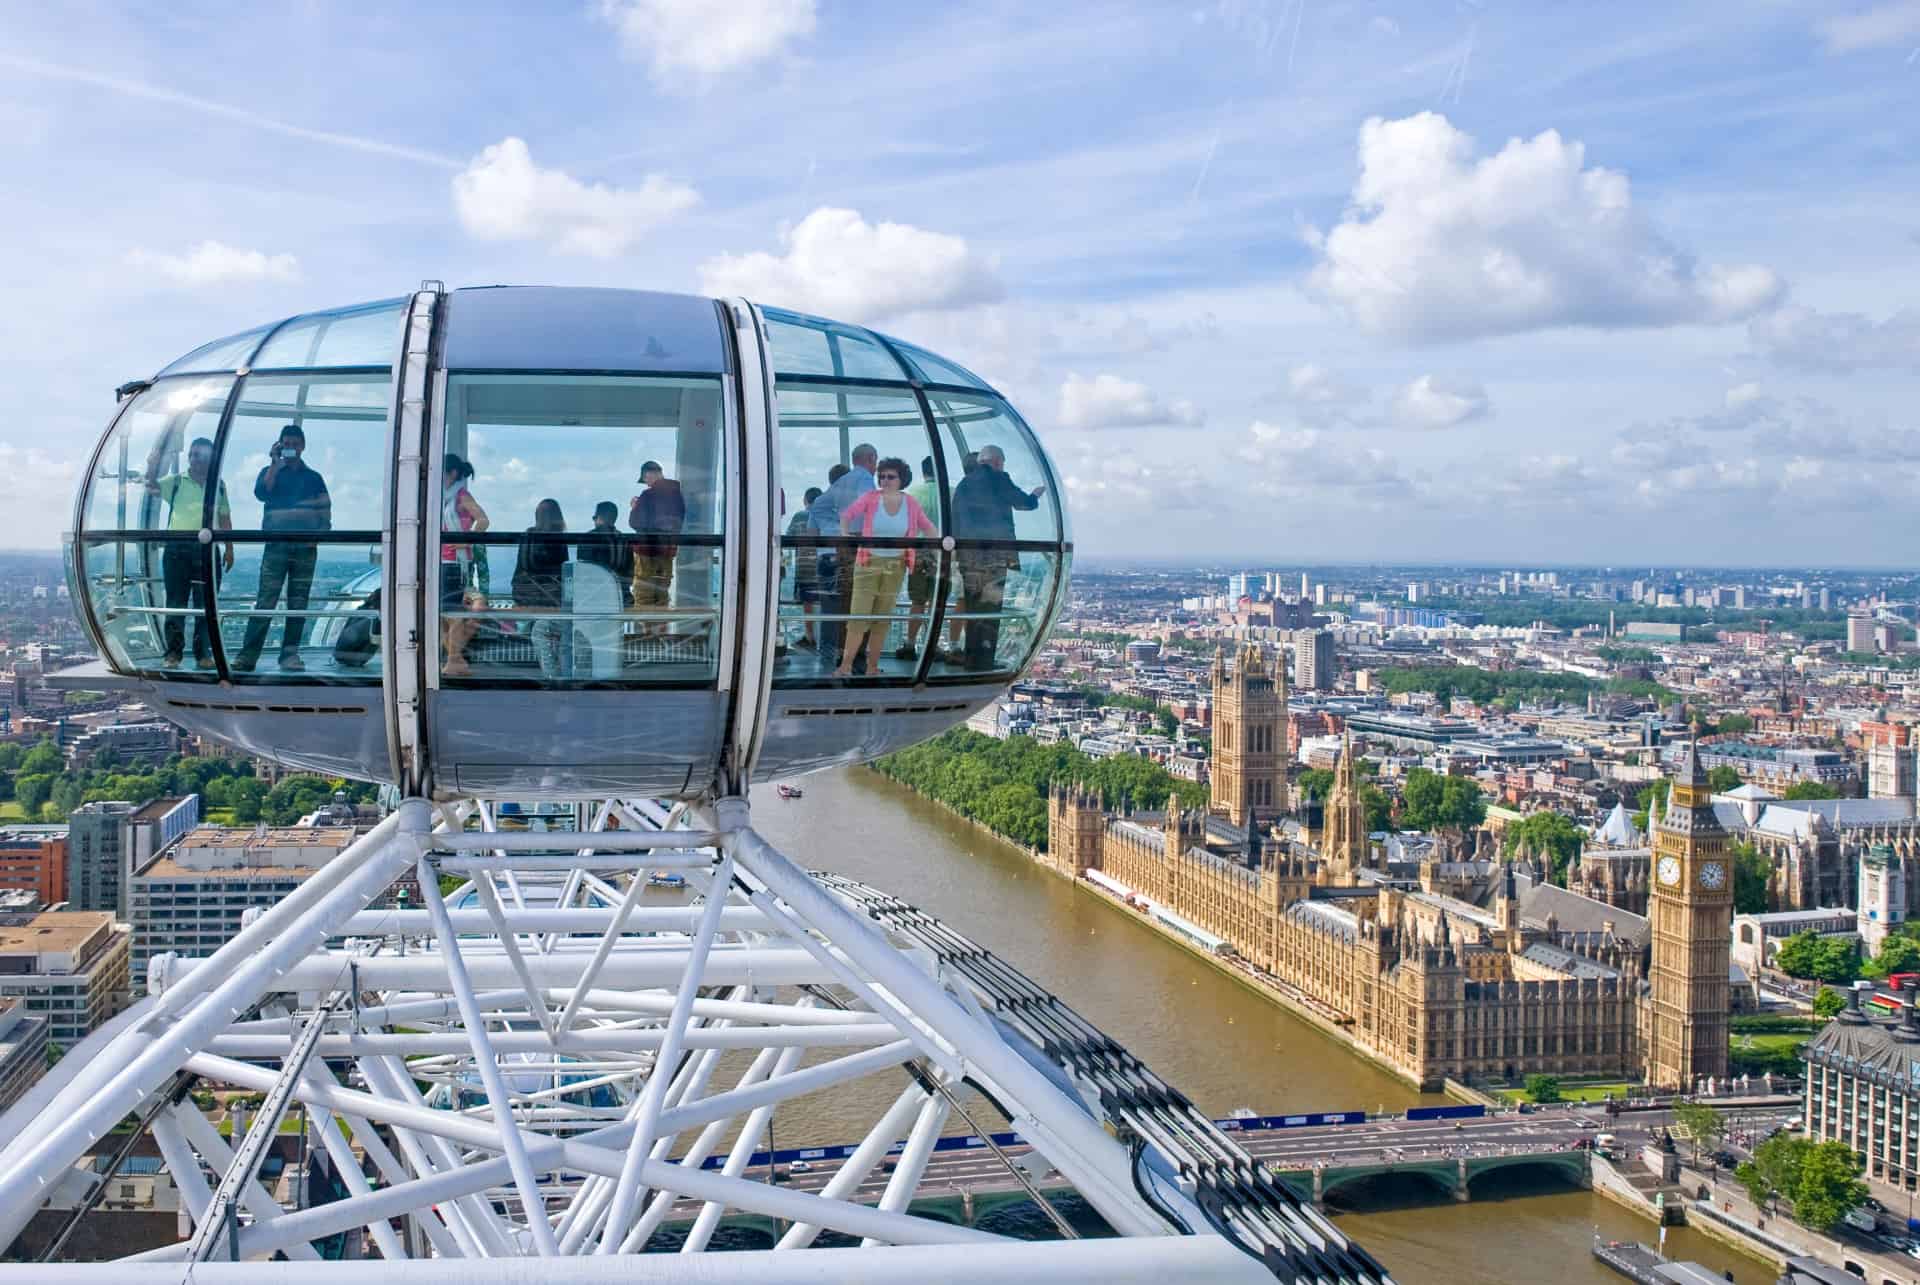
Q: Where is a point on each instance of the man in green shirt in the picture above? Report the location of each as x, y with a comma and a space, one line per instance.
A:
186, 497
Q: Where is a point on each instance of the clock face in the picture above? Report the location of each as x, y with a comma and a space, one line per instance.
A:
1712, 874
1669, 870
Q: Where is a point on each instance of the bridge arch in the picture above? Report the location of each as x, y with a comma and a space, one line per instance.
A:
1568, 1166
1398, 1184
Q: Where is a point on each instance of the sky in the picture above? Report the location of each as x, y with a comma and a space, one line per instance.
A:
1286, 282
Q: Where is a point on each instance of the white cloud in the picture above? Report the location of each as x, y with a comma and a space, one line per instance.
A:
1312, 384
1442, 244
503, 196
1837, 341
1893, 23
1108, 401
1381, 25
1438, 402
213, 263
1742, 394
837, 264
1306, 463
683, 40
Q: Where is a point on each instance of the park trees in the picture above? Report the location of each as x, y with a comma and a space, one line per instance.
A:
1752, 871
1828, 1002
1435, 802
1811, 790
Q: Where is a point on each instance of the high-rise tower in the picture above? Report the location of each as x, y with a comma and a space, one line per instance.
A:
1249, 735
1692, 913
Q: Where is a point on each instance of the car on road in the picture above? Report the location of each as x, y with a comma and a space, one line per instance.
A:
1725, 1159
800, 1166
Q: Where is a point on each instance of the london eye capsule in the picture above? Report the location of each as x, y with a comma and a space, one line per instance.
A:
500, 540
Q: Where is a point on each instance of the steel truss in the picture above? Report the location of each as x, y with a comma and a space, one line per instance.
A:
537, 1064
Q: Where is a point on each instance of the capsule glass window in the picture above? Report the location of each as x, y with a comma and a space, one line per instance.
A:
134, 486
308, 451
999, 486
847, 575
582, 521
366, 335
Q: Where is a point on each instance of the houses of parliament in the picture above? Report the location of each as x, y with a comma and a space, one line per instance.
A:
1435, 961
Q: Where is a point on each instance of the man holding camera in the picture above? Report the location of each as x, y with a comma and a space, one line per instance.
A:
294, 498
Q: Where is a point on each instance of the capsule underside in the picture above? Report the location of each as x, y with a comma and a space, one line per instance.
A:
270, 545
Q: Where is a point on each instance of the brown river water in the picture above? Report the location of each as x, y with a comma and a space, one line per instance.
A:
1216, 1041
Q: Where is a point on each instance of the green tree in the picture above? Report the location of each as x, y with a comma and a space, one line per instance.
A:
1704, 1125
44, 758
1821, 1180
1752, 870
1811, 790
1543, 1088
246, 798
1828, 959
1733, 725
1722, 779
1898, 954
10, 755
1314, 783
1551, 833
1828, 1002
1435, 802
32, 790
1379, 808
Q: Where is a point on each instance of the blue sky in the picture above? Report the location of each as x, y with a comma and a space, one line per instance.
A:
1288, 281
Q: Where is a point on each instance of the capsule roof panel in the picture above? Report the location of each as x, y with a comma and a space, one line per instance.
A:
583, 328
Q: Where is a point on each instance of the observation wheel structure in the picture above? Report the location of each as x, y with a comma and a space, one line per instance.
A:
568, 1027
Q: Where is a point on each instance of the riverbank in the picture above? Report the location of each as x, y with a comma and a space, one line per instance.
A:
1271, 989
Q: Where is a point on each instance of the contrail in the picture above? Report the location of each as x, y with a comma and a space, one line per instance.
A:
160, 94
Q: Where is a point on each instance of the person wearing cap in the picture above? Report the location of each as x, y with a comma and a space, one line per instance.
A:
604, 546
186, 497
656, 516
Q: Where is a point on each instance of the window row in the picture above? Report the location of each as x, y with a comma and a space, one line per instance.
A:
552, 608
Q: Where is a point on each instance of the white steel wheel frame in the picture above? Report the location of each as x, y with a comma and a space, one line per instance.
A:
535, 1009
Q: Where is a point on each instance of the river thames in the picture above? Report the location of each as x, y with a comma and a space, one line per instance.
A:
1215, 1040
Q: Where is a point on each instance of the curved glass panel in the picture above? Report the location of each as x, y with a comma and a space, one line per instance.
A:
583, 328
599, 503
1000, 487
137, 477
999, 606
365, 335
222, 354
336, 428
802, 345
931, 369
146, 596
849, 563
300, 609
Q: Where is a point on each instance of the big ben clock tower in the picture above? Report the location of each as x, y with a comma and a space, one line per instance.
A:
1692, 913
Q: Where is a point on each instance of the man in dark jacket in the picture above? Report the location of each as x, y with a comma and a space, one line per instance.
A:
656, 515
604, 546
293, 497
983, 507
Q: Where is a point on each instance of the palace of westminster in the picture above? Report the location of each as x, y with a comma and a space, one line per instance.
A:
1438, 967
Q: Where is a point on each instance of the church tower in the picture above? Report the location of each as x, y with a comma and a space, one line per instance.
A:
1692, 913
1076, 829
1249, 769
1344, 847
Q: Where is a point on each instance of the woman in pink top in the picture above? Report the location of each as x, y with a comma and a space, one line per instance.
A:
886, 513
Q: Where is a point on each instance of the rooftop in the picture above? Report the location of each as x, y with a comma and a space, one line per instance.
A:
53, 930
164, 867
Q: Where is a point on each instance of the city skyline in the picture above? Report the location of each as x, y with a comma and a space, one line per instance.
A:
1290, 282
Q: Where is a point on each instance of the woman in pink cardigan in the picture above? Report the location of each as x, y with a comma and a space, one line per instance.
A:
888, 512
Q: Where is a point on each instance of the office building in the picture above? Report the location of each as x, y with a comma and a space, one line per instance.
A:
1863, 1089
190, 898
69, 967
148, 831
1313, 664
34, 857
23, 1050
1859, 631
93, 856
1890, 771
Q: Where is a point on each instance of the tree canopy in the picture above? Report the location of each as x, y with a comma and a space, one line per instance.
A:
1752, 869
1435, 802
1821, 1180
1810, 790
1552, 834
1003, 784
1828, 1002
1828, 959
1722, 779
